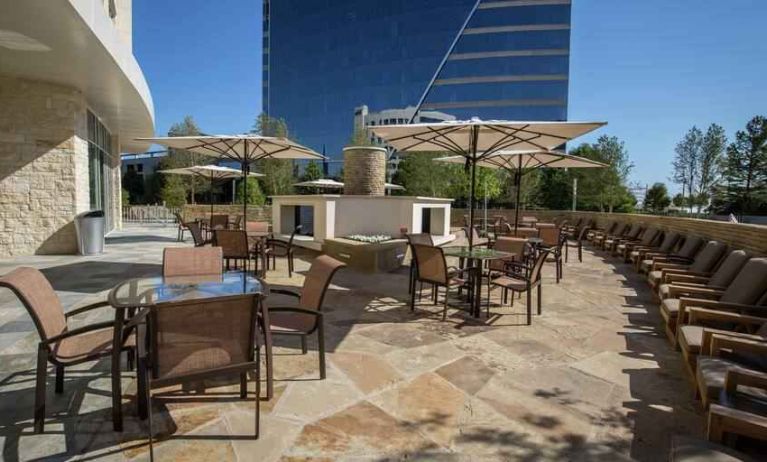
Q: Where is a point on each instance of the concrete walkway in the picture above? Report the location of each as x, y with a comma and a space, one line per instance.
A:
593, 378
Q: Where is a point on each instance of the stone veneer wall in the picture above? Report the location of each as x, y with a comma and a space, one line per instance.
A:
752, 238
44, 167
364, 171
255, 213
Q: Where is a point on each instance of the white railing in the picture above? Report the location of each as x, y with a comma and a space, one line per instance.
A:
149, 214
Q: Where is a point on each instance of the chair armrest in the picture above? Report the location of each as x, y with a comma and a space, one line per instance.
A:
85, 308
78, 331
677, 290
293, 309
704, 314
683, 277
289, 292
687, 302
670, 266
708, 334
277, 242
728, 420
745, 377
721, 342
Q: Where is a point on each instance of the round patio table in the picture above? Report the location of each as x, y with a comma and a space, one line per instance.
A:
476, 258
148, 292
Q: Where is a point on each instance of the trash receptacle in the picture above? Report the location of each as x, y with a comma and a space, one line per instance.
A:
90, 232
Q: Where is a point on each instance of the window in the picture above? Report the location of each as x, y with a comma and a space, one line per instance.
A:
99, 154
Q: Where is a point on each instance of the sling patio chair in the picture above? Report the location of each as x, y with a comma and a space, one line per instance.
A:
304, 317
191, 341
742, 408
729, 356
197, 235
194, 261
237, 223
633, 233
670, 242
703, 264
432, 268
514, 245
59, 344
553, 240
520, 278
686, 254
280, 248
725, 272
619, 230
745, 291
412, 239
650, 237
579, 239
477, 240
526, 232
694, 334
183, 226
258, 234
234, 246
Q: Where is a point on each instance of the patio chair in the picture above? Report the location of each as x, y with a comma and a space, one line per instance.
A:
743, 292
553, 240
521, 278
477, 240
196, 231
526, 232
702, 264
648, 239
581, 237
234, 246
694, 334
182, 226
237, 224
305, 317
619, 230
259, 250
59, 344
280, 248
529, 221
420, 239
670, 242
601, 231
195, 340
185, 261
685, 254
731, 358
742, 408
432, 269
611, 242
515, 245
675, 282
217, 222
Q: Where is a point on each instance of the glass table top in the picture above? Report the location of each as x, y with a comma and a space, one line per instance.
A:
143, 292
477, 253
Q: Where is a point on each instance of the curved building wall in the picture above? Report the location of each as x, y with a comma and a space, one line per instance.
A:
324, 58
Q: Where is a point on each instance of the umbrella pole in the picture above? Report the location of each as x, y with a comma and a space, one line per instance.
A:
518, 175
473, 160
210, 196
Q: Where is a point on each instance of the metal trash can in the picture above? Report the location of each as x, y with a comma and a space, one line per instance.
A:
90, 232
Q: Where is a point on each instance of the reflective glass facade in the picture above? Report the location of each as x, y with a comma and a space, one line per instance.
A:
324, 58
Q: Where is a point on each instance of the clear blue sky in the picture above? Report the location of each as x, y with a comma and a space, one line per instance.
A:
651, 68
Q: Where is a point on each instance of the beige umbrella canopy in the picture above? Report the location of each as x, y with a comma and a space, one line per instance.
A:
210, 172
245, 149
333, 184
518, 161
477, 139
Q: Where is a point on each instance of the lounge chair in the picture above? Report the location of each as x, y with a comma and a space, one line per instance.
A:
668, 244
731, 357
619, 230
743, 406
702, 264
686, 449
633, 233
59, 344
685, 254
648, 239
194, 261
195, 340
676, 281
745, 291
603, 231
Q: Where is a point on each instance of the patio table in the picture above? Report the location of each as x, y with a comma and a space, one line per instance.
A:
147, 292
476, 258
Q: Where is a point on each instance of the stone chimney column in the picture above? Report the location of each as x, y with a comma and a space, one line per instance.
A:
364, 171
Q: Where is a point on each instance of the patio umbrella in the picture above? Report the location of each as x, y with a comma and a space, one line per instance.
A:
516, 162
333, 184
210, 172
476, 139
244, 149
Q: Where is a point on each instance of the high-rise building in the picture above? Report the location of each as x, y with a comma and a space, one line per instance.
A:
325, 58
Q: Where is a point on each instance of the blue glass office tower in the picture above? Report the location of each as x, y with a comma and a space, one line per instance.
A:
324, 58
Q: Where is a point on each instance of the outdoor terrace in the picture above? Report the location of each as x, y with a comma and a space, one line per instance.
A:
592, 378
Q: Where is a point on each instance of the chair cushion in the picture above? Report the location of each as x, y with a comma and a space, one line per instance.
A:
645, 266
663, 291
291, 322
669, 308
654, 277
634, 255
710, 375
87, 345
686, 449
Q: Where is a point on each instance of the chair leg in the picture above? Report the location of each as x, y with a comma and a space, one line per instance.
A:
529, 307
244, 385
412, 297
321, 345
40, 383
258, 393
304, 350
59, 379
580, 253
290, 265
131, 358
540, 286
444, 310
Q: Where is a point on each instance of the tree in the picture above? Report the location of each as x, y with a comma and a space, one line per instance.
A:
278, 173
255, 195
421, 176
746, 169
604, 189
173, 192
656, 198
678, 200
133, 185
178, 158
711, 163
312, 172
686, 159
555, 190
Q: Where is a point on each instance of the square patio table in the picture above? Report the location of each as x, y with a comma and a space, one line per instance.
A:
476, 258
150, 291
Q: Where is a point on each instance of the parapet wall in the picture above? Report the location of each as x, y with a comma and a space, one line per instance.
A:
752, 238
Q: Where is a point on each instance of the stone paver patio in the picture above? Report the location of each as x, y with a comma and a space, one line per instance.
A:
592, 379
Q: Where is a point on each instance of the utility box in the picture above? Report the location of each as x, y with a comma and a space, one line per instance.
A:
90, 232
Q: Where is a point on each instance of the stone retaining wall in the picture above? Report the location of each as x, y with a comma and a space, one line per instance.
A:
255, 212
752, 238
